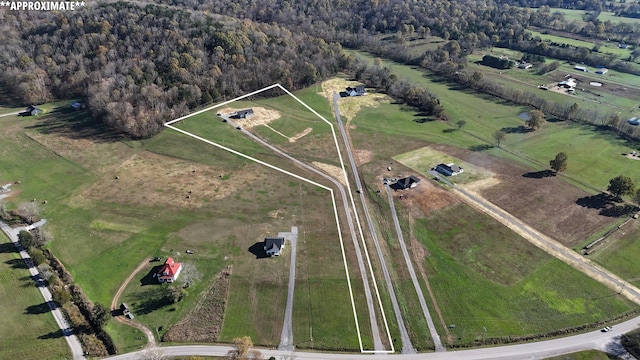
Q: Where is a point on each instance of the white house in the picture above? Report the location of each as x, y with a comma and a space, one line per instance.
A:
169, 272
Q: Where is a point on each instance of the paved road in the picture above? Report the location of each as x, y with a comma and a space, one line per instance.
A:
72, 340
548, 244
286, 337
377, 342
537, 350
423, 304
407, 347
9, 114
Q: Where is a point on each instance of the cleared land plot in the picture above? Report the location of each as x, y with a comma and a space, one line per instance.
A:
29, 330
511, 294
547, 203
248, 291
580, 43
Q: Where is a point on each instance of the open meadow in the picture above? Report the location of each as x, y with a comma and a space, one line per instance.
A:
112, 202
29, 330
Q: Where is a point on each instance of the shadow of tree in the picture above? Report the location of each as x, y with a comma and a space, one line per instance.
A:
52, 335
481, 147
448, 131
516, 129
599, 201
17, 263
257, 249
7, 248
150, 300
618, 210
74, 124
539, 174
42, 308
423, 120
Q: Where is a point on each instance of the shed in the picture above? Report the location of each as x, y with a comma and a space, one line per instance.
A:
273, 245
32, 110
244, 114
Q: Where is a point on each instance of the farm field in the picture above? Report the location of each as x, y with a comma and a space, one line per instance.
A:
29, 330
484, 116
604, 47
576, 15
115, 202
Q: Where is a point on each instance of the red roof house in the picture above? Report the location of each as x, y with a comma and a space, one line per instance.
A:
169, 271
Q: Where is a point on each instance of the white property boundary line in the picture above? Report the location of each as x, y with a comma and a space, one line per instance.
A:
344, 258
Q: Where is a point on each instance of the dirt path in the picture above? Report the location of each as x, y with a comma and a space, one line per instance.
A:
151, 340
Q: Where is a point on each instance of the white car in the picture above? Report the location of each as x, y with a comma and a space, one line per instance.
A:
606, 329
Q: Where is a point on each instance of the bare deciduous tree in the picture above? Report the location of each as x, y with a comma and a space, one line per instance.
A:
28, 211
189, 274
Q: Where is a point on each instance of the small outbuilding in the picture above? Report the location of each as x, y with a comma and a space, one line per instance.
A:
76, 105
273, 245
634, 121
602, 71
32, 110
525, 66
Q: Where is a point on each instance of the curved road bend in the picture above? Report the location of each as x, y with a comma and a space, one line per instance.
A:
407, 347
151, 340
72, 340
548, 244
377, 342
423, 304
535, 350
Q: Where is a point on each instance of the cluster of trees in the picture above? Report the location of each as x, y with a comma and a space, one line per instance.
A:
139, 67
400, 89
497, 62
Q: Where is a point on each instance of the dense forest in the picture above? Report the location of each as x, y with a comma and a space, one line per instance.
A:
138, 67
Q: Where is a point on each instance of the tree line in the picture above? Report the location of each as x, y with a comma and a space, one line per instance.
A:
139, 67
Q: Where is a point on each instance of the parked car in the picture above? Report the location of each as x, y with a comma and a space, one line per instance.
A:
606, 329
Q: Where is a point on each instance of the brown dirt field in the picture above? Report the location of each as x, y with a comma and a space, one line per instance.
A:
261, 116
548, 204
362, 156
98, 157
332, 170
167, 182
204, 322
426, 197
300, 135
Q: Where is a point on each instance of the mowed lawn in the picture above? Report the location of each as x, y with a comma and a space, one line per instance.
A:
29, 330
492, 283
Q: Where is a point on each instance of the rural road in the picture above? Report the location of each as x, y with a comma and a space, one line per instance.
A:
286, 338
151, 340
10, 114
407, 347
377, 342
609, 342
423, 303
547, 244
72, 340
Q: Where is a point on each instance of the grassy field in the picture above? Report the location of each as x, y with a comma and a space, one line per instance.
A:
464, 247
594, 155
577, 15
585, 355
29, 330
111, 203
605, 47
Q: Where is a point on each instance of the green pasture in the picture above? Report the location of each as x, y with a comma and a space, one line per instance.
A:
611, 48
29, 330
617, 254
470, 251
576, 15
594, 154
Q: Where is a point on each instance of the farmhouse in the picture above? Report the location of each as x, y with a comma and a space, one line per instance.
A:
169, 272
273, 246
602, 71
244, 114
407, 183
624, 46
32, 110
449, 169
